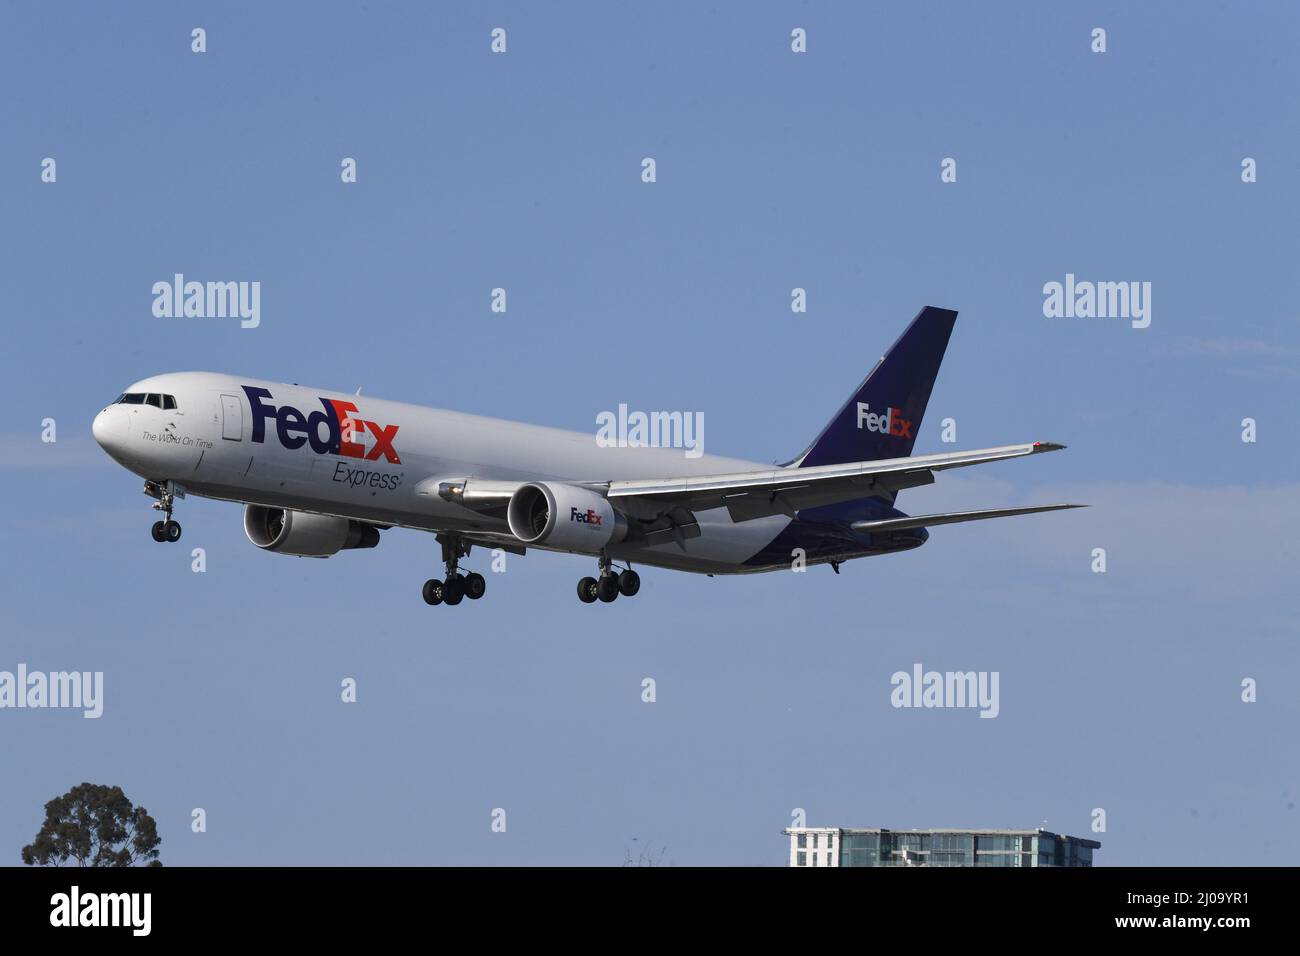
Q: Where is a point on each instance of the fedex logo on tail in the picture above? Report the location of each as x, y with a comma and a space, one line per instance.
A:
590, 516
890, 422
344, 433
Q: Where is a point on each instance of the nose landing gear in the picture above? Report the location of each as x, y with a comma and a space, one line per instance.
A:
166, 492
166, 531
610, 584
456, 586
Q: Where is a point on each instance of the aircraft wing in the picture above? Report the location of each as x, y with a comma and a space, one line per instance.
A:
757, 494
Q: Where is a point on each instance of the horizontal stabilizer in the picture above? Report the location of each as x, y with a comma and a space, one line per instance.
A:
951, 517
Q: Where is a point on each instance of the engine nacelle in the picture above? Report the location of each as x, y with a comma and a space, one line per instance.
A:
564, 517
305, 535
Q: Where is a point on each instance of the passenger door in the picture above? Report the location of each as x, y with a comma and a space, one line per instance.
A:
232, 418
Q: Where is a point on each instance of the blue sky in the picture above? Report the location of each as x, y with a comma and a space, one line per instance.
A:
1118, 690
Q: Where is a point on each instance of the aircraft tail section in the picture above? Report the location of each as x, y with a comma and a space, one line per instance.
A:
882, 417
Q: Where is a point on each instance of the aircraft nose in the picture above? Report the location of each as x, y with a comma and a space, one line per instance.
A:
108, 431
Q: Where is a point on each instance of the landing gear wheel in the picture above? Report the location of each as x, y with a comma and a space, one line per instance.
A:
166, 493
629, 582
453, 589
432, 592
456, 587
607, 588
587, 590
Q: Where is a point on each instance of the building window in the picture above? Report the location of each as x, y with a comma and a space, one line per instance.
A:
801, 859
803, 840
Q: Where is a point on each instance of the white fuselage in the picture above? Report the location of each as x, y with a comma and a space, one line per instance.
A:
391, 461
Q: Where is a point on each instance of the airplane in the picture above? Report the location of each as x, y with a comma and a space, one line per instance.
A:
321, 472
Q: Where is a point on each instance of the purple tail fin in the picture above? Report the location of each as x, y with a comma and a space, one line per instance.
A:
882, 417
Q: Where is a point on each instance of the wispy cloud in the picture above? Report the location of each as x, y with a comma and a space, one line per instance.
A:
1237, 348
1226, 542
28, 451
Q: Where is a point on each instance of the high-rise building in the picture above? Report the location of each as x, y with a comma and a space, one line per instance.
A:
842, 846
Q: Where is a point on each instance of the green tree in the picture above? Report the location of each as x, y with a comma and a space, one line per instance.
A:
94, 825
646, 856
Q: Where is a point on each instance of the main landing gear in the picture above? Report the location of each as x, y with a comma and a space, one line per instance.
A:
166, 492
610, 584
457, 586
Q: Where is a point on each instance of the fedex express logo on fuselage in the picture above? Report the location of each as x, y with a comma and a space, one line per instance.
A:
887, 423
344, 432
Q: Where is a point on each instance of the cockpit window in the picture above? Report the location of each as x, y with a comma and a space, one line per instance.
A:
167, 402
147, 398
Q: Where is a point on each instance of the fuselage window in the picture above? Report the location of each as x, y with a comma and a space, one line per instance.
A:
169, 402
154, 399
133, 399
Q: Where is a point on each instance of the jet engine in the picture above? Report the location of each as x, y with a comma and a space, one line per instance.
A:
564, 517
305, 535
